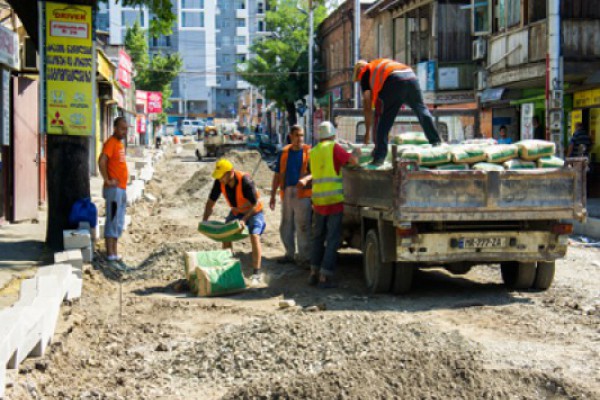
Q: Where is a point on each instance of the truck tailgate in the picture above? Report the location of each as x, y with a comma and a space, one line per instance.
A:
409, 195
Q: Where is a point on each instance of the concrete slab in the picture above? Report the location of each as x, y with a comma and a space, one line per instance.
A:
72, 257
76, 239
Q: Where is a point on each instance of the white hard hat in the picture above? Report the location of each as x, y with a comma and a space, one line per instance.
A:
326, 130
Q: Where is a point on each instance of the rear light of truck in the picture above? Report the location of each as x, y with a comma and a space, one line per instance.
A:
406, 231
562, 229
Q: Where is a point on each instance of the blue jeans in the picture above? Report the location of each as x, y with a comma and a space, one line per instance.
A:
326, 239
394, 93
116, 204
256, 224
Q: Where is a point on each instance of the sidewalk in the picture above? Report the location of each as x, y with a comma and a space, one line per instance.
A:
591, 227
22, 249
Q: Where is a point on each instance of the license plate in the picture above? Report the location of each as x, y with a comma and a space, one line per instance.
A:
482, 243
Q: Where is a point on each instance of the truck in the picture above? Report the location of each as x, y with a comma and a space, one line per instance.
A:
218, 140
406, 218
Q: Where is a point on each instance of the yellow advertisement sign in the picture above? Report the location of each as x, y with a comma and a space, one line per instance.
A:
595, 130
69, 69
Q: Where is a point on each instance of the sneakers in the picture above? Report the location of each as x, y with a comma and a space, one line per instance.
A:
256, 280
113, 257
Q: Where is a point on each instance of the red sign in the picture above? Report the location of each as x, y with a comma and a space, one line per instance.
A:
125, 68
140, 120
154, 102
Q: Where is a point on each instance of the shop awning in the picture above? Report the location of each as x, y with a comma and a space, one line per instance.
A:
535, 99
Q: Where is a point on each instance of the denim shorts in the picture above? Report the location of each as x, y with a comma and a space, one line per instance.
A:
256, 224
116, 204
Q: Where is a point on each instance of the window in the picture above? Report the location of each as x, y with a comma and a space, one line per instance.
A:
261, 26
240, 22
228, 93
240, 5
241, 58
481, 16
509, 13
192, 4
162, 41
128, 18
240, 40
379, 40
260, 8
226, 40
192, 19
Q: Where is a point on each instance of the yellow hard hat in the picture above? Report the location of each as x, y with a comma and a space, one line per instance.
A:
222, 166
358, 68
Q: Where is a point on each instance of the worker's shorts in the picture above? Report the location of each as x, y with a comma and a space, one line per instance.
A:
256, 224
116, 204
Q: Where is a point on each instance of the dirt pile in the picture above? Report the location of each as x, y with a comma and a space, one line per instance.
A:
198, 181
348, 356
252, 163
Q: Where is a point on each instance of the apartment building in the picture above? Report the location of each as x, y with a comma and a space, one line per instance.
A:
212, 37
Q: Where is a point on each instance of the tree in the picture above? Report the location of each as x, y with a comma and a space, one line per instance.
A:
163, 15
154, 74
280, 67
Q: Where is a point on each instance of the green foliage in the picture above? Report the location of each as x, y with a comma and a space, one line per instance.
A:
156, 74
162, 10
280, 67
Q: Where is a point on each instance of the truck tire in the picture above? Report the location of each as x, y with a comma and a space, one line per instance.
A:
378, 275
403, 277
518, 275
544, 275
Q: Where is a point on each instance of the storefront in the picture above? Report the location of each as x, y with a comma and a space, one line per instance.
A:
586, 110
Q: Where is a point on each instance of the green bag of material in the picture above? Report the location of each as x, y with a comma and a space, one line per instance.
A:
417, 138
452, 167
468, 154
214, 273
531, 150
501, 152
363, 152
223, 232
519, 164
428, 156
550, 162
484, 166
480, 142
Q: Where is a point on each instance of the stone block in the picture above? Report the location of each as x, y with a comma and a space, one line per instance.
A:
87, 254
71, 257
76, 239
94, 232
75, 288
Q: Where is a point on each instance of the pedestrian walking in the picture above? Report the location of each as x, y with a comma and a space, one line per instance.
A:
386, 86
240, 192
292, 177
580, 143
113, 169
326, 162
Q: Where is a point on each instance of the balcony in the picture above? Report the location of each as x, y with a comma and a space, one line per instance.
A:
241, 31
241, 13
241, 49
242, 85
520, 54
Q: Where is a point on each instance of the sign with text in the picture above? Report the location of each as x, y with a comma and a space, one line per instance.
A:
154, 102
527, 121
9, 48
125, 68
69, 70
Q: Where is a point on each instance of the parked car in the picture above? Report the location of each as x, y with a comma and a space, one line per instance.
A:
170, 129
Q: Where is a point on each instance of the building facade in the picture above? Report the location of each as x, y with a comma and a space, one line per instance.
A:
212, 37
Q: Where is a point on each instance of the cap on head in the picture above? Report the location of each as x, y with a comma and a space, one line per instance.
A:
359, 67
326, 130
221, 168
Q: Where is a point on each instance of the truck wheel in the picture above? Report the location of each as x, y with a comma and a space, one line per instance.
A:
403, 277
544, 275
378, 275
518, 275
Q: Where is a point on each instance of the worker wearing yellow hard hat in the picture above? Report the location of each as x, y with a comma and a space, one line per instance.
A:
240, 192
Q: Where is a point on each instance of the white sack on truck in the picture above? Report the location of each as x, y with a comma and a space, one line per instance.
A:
532, 150
501, 152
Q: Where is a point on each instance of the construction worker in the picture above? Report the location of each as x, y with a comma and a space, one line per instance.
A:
292, 177
240, 192
113, 168
326, 162
386, 85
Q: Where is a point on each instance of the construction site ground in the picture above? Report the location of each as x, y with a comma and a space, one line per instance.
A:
139, 335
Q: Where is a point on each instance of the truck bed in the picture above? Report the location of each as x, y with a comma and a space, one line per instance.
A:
405, 193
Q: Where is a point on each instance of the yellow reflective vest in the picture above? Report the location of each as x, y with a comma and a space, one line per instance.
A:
327, 183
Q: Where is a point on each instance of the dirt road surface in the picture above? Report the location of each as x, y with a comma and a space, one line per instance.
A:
453, 337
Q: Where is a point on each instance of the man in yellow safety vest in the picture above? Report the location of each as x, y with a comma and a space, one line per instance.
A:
326, 162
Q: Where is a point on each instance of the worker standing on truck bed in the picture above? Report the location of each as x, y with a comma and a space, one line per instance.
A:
292, 177
386, 85
326, 162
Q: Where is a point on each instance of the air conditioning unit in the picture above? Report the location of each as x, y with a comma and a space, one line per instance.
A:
556, 100
479, 46
29, 56
481, 77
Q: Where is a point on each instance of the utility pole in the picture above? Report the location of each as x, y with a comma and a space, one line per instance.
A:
311, 86
554, 78
356, 49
